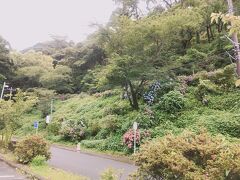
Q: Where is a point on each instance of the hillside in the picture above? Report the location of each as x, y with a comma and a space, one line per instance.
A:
171, 70
107, 116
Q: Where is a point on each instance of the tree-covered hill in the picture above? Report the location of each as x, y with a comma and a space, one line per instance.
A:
167, 66
176, 39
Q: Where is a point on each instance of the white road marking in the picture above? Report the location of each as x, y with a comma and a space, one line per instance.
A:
7, 176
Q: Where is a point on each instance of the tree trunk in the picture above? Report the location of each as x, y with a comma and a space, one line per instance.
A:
134, 100
197, 38
128, 95
208, 34
219, 27
211, 32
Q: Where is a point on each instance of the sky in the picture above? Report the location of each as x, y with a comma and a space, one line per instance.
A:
24, 23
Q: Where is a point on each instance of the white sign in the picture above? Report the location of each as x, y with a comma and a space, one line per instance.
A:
135, 126
48, 119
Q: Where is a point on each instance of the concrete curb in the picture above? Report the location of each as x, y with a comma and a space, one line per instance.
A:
27, 173
115, 158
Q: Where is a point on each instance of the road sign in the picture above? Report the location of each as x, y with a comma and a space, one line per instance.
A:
35, 124
135, 126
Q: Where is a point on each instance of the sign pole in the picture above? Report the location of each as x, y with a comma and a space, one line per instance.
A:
11, 90
3, 90
35, 125
134, 141
135, 136
51, 108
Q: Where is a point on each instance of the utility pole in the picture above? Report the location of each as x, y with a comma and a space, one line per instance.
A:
3, 90
51, 108
234, 38
135, 126
11, 91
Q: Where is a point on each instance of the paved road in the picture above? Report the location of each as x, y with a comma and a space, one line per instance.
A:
85, 164
8, 173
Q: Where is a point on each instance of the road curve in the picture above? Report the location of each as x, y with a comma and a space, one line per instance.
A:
85, 164
7, 172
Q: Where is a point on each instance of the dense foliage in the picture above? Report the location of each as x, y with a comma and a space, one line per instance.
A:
189, 156
172, 102
31, 147
11, 114
164, 67
39, 161
72, 130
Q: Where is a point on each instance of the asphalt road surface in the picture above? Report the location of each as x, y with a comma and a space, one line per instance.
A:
8, 173
85, 164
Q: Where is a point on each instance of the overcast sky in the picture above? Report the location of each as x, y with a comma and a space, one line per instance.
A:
25, 22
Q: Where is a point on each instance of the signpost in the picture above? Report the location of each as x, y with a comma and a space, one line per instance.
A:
135, 126
51, 107
6, 87
35, 125
48, 119
3, 88
78, 147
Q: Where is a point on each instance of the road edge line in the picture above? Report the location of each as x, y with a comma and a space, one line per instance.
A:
27, 173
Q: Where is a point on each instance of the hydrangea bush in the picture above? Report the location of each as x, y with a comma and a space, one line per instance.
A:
72, 130
128, 137
150, 96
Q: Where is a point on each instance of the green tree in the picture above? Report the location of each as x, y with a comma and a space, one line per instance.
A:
11, 114
30, 67
58, 79
6, 64
131, 73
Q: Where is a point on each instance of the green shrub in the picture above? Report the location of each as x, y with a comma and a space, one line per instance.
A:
110, 123
102, 134
94, 128
204, 88
225, 77
193, 61
145, 120
53, 128
117, 108
94, 144
166, 86
226, 123
54, 138
111, 174
172, 102
31, 147
215, 121
72, 130
114, 143
39, 161
189, 156
229, 101
165, 128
